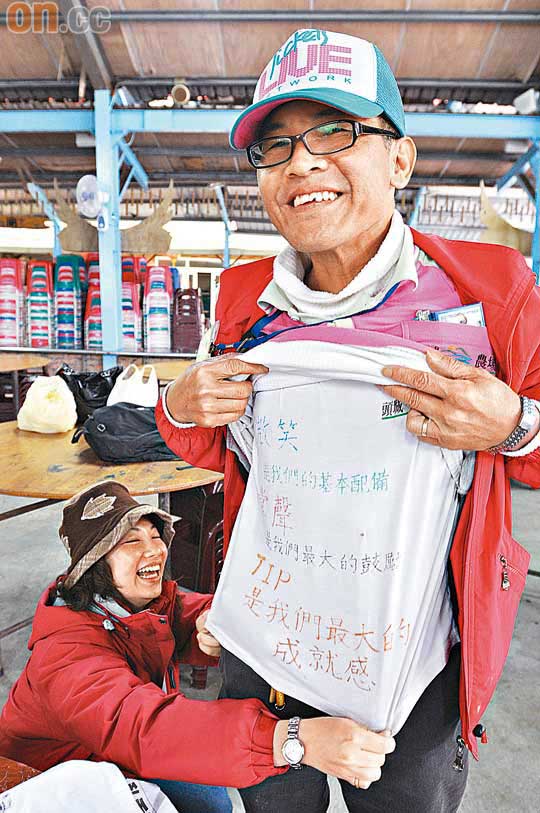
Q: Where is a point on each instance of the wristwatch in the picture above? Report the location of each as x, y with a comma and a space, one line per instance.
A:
529, 417
293, 748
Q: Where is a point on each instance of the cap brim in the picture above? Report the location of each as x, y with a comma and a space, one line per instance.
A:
244, 131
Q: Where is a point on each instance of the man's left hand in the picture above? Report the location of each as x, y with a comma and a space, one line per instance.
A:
467, 407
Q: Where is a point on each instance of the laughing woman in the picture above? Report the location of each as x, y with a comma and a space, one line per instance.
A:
102, 680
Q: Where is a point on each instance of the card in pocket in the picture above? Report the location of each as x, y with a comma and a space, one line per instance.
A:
466, 343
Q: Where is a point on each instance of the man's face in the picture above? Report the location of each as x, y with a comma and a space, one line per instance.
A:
362, 176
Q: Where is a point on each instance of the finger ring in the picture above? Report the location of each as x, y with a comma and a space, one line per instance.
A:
423, 432
356, 782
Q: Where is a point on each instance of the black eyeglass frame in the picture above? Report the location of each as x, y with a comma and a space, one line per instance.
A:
358, 130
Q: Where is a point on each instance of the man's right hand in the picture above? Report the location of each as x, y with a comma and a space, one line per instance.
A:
203, 394
339, 747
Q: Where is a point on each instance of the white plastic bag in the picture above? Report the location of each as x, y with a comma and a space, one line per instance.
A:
136, 385
49, 407
84, 787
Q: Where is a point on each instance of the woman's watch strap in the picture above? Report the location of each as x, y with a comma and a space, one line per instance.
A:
527, 421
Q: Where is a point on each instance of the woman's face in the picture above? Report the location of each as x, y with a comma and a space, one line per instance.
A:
137, 563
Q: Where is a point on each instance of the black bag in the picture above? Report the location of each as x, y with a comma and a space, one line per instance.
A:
124, 433
90, 390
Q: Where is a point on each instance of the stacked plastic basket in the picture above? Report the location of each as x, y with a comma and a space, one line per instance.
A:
39, 286
131, 309
157, 309
11, 302
68, 302
92, 268
93, 332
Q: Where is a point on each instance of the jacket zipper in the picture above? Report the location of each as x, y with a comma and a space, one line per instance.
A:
506, 566
459, 761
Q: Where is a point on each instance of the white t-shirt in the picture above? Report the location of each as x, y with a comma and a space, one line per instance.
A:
80, 786
335, 587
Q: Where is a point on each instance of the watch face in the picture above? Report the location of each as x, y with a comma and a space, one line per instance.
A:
293, 751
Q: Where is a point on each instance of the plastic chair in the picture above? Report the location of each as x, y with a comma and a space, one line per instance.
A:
197, 548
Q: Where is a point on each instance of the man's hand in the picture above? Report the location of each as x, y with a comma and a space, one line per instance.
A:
204, 395
468, 408
340, 747
207, 643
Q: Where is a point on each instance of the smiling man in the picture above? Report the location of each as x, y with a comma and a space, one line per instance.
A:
372, 574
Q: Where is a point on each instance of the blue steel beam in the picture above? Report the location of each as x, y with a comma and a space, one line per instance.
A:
41, 196
110, 269
472, 125
126, 184
413, 219
226, 223
171, 121
526, 185
441, 125
46, 121
222, 205
535, 166
136, 166
519, 166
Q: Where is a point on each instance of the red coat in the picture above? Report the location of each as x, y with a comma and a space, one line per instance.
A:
500, 279
92, 693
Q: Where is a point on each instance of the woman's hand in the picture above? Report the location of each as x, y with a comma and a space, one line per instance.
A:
207, 643
339, 747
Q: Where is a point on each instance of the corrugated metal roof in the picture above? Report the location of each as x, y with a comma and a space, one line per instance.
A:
489, 60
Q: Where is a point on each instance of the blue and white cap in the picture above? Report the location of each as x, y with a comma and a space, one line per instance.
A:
341, 71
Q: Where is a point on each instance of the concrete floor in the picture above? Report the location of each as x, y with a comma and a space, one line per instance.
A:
507, 778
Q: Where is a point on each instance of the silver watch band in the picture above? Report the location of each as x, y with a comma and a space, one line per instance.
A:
293, 728
526, 421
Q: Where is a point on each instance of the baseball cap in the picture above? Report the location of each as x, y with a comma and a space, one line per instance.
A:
96, 519
345, 72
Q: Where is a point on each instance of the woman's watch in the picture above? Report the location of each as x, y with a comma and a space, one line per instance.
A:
293, 748
529, 418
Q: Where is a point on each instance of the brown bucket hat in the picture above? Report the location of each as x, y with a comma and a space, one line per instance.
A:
94, 521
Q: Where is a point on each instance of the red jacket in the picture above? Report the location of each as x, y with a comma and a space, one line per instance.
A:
92, 693
500, 279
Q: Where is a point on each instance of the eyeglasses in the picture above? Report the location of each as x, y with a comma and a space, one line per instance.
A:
325, 139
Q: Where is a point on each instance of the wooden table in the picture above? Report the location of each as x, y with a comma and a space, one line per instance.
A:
52, 468
15, 362
169, 370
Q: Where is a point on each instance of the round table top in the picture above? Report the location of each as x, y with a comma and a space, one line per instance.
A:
51, 467
171, 368
12, 362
